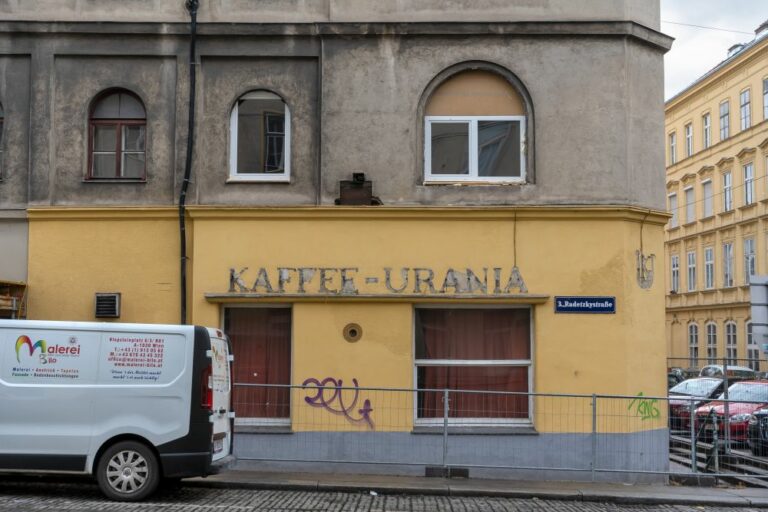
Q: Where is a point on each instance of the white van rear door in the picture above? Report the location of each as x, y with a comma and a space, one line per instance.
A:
221, 383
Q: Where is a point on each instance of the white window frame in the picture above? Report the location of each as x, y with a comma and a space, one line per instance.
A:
749, 259
693, 344
727, 192
689, 139
706, 122
690, 204
749, 184
691, 260
725, 120
753, 349
731, 348
475, 422
728, 280
672, 148
708, 197
675, 276
473, 150
765, 98
261, 176
712, 343
709, 268
673, 221
745, 109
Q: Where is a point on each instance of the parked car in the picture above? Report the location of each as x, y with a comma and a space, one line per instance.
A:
744, 398
757, 432
698, 390
734, 372
674, 377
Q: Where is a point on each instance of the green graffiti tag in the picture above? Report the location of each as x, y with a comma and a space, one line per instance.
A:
644, 407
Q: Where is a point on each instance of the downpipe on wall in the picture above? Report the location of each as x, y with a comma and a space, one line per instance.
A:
191, 6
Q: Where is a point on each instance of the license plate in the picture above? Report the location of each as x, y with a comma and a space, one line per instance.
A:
218, 445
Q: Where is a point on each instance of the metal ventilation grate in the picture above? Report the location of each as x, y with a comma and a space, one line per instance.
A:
107, 305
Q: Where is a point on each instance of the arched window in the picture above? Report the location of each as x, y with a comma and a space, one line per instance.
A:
475, 130
260, 135
731, 352
711, 343
693, 345
118, 125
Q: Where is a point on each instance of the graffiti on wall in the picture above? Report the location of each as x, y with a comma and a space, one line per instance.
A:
644, 407
329, 395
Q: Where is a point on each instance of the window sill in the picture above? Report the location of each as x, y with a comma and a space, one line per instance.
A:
114, 180
259, 178
708, 217
748, 206
472, 183
728, 212
709, 290
263, 429
468, 430
689, 224
673, 228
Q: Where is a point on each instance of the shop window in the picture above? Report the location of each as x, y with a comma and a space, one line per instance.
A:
475, 351
475, 130
261, 343
260, 134
118, 128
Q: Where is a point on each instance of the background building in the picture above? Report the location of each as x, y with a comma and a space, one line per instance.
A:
509, 155
717, 192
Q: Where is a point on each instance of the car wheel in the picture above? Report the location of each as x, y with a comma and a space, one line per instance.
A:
128, 471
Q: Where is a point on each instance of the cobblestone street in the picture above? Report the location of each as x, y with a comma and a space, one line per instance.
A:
21, 496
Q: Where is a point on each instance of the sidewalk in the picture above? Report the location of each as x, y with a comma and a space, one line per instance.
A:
572, 491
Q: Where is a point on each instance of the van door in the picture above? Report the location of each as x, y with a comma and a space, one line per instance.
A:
221, 384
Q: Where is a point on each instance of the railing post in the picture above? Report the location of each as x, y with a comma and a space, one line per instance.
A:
445, 432
726, 409
594, 435
715, 444
692, 425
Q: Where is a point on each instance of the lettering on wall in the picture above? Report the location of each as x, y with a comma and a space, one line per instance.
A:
334, 402
403, 281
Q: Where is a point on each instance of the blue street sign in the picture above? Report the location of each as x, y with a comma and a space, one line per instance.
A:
580, 304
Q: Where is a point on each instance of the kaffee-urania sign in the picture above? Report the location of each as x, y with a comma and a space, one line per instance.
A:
403, 280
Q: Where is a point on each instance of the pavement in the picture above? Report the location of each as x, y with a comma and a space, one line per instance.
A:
468, 487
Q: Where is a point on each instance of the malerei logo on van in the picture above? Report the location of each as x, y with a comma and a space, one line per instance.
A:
48, 354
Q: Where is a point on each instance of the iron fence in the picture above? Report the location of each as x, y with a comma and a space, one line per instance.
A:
593, 436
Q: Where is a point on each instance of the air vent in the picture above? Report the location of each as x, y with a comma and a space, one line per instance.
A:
107, 305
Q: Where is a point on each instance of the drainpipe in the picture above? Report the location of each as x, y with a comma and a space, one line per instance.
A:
191, 6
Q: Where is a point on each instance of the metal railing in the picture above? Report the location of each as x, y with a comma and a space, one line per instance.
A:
525, 434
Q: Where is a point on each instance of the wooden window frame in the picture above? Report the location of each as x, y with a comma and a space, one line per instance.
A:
118, 124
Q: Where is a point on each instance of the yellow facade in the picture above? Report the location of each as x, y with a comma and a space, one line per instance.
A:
578, 251
707, 221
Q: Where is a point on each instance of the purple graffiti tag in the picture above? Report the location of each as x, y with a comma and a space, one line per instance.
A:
330, 384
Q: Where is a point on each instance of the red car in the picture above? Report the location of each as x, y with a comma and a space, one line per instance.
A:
697, 391
744, 398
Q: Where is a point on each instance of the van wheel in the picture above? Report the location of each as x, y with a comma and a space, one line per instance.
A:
128, 471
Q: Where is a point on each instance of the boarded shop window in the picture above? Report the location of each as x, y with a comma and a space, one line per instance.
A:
474, 130
261, 344
260, 138
118, 128
475, 351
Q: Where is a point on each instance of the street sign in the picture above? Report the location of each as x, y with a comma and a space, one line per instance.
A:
579, 304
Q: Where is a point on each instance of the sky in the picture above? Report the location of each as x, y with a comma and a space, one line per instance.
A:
697, 50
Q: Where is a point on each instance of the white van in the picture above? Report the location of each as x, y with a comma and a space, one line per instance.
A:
128, 403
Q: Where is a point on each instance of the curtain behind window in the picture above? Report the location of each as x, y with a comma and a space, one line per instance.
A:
473, 334
261, 343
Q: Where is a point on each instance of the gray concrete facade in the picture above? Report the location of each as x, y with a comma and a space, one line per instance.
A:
355, 81
641, 457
